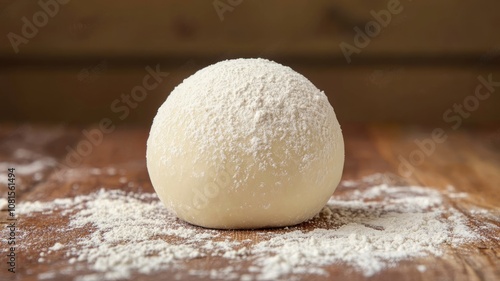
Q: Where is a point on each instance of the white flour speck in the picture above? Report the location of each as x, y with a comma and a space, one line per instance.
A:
421, 268
57, 246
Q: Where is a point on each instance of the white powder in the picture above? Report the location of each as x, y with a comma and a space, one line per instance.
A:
47, 275
28, 162
57, 246
35, 168
251, 114
404, 224
116, 235
421, 268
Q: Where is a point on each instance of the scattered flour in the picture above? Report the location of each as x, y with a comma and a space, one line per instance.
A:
57, 246
47, 275
33, 167
421, 268
29, 166
368, 229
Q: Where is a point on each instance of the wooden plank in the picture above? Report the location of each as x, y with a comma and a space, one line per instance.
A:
462, 161
172, 28
107, 165
388, 93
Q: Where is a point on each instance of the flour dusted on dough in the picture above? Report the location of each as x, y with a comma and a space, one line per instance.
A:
245, 143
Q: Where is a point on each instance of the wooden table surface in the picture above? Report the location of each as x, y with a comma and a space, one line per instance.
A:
468, 160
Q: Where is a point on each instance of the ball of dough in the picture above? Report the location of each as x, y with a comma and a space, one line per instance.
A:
245, 143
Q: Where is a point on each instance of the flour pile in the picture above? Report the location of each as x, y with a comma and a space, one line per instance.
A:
118, 235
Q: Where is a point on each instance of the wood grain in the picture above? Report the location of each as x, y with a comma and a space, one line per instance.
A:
426, 60
382, 93
469, 160
172, 28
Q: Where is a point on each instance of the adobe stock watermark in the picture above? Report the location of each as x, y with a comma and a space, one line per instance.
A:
121, 108
39, 19
223, 6
363, 37
453, 116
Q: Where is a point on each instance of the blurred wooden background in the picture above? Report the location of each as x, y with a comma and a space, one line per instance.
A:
86, 54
